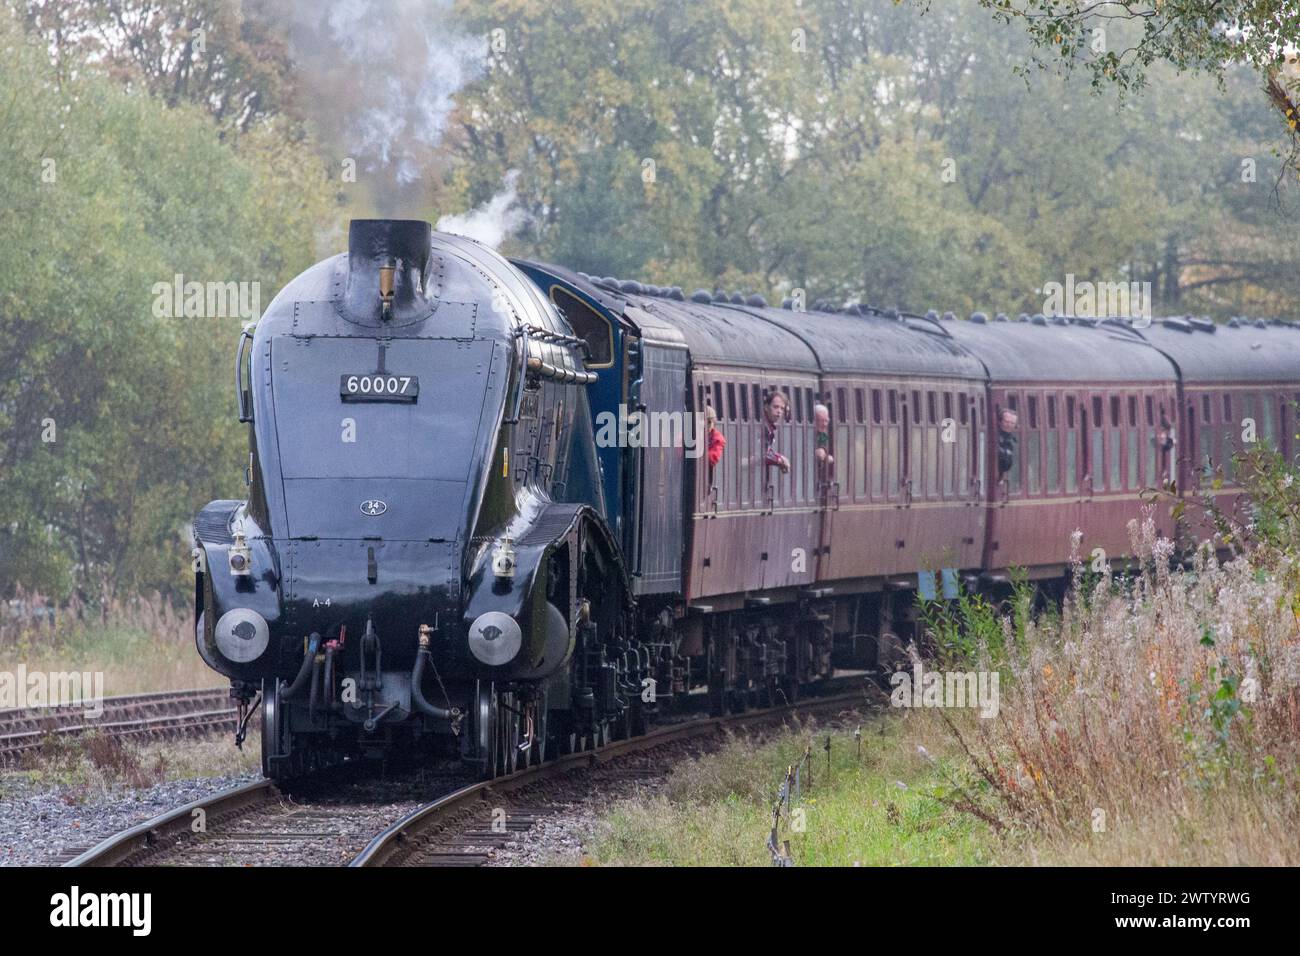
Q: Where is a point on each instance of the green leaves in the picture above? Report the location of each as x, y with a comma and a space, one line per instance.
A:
116, 425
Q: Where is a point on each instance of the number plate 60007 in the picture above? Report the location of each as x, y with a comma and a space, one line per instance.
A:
379, 387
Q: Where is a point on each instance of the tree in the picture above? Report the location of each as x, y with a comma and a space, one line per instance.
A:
117, 423
227, 57
1119, 40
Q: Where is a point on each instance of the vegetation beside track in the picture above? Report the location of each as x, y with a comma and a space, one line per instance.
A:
89, 767
1152, 718
882, 807
139, 645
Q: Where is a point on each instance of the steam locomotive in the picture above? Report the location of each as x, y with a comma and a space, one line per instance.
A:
480, 518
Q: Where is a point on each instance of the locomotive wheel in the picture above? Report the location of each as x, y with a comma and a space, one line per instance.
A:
508, 722
273, 767
486, 734
541, 731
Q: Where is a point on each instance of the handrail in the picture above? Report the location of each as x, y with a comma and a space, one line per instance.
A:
245, 407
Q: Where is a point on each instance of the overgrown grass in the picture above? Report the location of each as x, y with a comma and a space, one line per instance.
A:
882, 808
1152, 719
97, 765
1155, 720
140, 645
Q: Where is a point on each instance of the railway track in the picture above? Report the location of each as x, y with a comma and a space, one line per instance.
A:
466, 827
24, 731
451, 824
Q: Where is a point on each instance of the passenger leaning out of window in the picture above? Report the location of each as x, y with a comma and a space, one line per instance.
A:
715, 440
775, 410
822, 428
1007, 422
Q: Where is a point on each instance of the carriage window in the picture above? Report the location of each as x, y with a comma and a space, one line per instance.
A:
1133, 458
1069, 411
875, 405
1114, 411
798, 405
981, 409
1096, 412
1115, 448
859, 400
947, 404
1053, 457
877, 464
913, 460
744, 404
841, 405
1098, 458
1151, 459
1151, 414
1266, 412
1206, 415
946, 466
963, 460
962, 409
731, 401
588, 324
1010, 448
891, 459
1032, 440
1132, 411
1051, 411
860, 462
1071, 456
893, 407
1033, 411
931, 460
808, 401
1083, 443
718, 407
1227, 408
930, 407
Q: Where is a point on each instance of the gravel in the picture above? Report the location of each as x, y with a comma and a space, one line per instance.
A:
40, 825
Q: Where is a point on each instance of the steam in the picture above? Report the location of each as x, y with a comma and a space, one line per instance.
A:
379, 77
492, 222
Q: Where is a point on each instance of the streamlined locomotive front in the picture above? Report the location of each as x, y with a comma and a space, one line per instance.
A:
377, 387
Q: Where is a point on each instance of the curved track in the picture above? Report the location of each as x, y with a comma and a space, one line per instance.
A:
262, 823
464, 827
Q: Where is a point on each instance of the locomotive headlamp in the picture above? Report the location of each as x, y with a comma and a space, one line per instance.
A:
241, 559
503, 560
495, 638
242, 635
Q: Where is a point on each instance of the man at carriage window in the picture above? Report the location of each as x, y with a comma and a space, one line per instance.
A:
1165, 440
1007, 423
775, 410
822, 441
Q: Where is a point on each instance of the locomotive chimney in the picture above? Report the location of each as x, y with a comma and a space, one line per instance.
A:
387, 260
